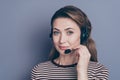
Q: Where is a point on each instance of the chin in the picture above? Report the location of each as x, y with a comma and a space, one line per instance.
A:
61, 52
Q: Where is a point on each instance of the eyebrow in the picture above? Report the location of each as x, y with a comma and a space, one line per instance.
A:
65, 29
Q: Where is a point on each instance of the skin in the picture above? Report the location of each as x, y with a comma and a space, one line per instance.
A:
66, 35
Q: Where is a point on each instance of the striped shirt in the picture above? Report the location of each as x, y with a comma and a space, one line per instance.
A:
49, 70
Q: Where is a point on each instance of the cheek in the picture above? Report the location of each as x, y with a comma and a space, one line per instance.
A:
55, 40
74, 41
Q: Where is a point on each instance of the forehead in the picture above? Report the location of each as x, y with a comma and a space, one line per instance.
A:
63, 23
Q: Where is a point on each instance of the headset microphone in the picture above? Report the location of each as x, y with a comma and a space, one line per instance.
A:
67, 51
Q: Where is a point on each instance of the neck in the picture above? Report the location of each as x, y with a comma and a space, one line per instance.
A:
65, 60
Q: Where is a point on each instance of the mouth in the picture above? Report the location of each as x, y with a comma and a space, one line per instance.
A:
63, 47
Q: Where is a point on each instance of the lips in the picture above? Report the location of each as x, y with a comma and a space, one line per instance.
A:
63, 47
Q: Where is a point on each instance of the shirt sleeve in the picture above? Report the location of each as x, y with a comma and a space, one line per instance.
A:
101, 72
35, 73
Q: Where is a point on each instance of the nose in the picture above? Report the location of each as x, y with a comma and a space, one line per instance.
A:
63, 39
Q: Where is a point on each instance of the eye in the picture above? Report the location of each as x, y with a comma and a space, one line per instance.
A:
70, 32
56, 33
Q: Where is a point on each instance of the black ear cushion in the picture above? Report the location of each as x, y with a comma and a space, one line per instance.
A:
50, 35
84, 38
84, 34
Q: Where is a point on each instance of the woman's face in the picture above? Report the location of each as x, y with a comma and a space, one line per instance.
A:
66, 34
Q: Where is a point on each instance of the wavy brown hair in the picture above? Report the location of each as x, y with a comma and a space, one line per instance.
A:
82, 21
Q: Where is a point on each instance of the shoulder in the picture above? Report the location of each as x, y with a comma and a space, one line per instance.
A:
39, 68
41, 65
97, 66
100, 71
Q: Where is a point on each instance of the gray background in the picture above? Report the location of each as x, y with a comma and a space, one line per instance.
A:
25, 28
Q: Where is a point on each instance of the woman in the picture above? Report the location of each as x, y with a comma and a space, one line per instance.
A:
73, 56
